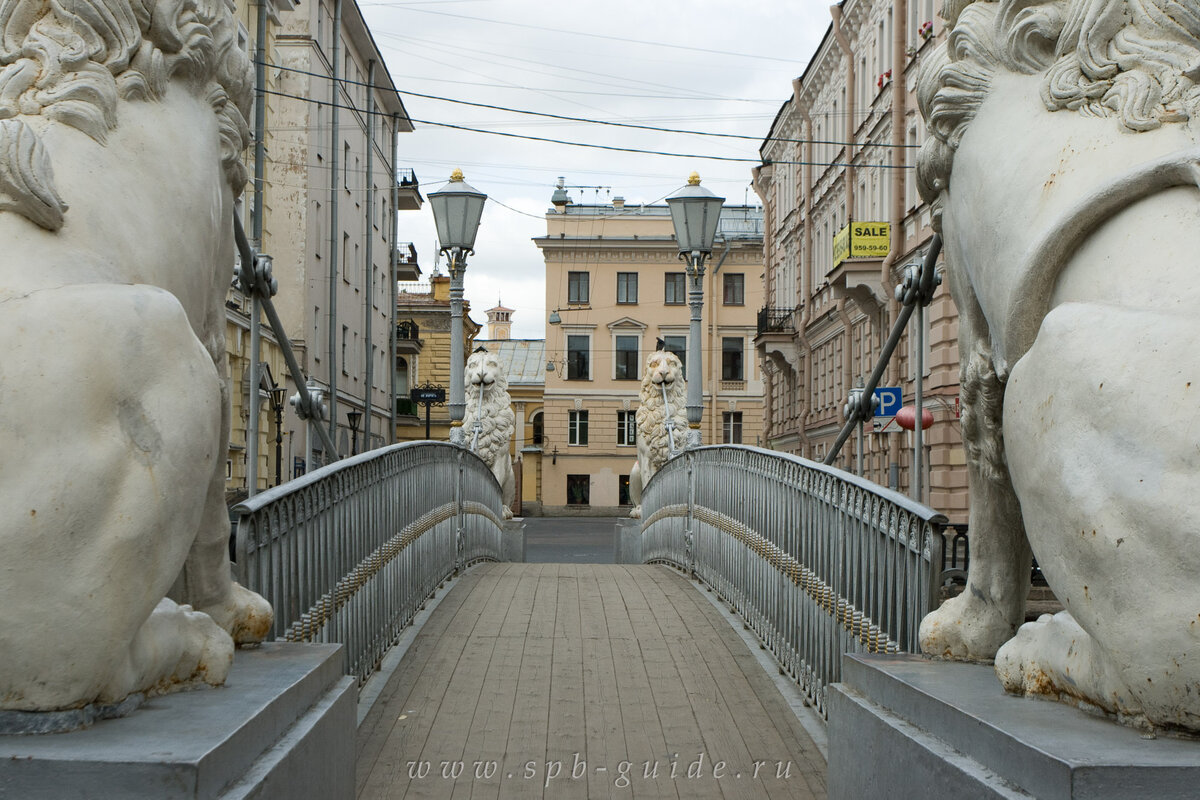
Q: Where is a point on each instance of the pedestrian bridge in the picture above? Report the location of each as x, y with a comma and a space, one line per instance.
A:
573, 680
582, 681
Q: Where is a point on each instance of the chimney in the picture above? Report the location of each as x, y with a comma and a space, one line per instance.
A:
619, 203
559, 199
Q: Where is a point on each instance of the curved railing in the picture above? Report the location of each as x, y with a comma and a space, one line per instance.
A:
351, 551
817, 561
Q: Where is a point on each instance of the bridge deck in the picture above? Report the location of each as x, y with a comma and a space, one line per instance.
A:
565, 680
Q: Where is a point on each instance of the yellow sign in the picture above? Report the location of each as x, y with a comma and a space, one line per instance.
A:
861, 240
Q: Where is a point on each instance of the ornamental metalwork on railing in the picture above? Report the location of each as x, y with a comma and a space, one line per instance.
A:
350, 552
818, 562
776, 320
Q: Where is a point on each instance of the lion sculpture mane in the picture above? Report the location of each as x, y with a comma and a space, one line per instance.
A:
488, 404
1064, 150
114, 387
653, 443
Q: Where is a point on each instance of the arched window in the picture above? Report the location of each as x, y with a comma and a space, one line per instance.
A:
537, 428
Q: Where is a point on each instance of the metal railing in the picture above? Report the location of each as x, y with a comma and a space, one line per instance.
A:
817, 561
776, 320
350, 552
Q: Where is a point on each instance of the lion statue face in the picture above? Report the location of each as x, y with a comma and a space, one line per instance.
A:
662, 368
484, 372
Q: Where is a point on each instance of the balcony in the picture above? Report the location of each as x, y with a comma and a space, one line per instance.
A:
408, 192
406, 407
776, 337
407, 268
408, 341
858, 253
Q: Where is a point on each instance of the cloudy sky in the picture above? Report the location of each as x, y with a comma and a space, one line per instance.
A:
701, 65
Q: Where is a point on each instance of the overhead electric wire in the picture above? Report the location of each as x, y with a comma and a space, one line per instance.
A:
587, 120
613, 148
583, 33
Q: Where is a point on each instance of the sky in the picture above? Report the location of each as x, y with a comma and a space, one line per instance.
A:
702, 65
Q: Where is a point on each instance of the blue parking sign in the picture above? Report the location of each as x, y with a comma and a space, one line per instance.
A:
890, 400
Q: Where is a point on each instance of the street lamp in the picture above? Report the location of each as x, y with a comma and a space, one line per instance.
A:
457, 208
353, 416
695, 212
278, 395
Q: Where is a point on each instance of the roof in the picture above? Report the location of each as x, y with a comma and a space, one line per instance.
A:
524, 360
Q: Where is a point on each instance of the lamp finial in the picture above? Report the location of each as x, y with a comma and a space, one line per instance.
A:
694, 179
457, 175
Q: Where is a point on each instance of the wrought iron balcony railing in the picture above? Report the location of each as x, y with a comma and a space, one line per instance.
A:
776, 320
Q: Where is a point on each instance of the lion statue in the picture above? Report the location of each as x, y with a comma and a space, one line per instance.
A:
1065, 147
663, 400
114, 386
489, 406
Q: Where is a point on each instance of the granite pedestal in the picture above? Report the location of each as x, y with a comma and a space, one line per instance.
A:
908, 727
283, 726
627, 542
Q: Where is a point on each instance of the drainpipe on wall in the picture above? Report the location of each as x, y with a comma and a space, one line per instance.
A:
713, 381
899, 176
369, 256
804, 286
335, 50
844, 45
393, 253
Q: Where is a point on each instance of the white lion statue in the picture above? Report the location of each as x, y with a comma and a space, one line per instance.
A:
1064, 150
114, 387
489, 405
663, 387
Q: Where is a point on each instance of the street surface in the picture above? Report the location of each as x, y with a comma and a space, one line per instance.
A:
569, 540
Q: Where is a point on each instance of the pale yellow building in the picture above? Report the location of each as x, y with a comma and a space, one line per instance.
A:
838, 160
614, 287
423, 355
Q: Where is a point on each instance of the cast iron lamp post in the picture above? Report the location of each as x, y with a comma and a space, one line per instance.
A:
353, 416
695, 212
457, 208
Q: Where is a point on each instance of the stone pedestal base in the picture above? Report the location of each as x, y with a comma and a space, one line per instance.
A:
907, 727
513, 540
627, 541
283, 726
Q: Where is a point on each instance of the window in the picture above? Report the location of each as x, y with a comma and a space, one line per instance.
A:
627, 287
577, 428
675, 290
678, 346
627, 428
577, 288
626, 358
578, 350
537, 429
731, 358
735, 289
345, 339
346, 166
623, 490
578, 487
731, 427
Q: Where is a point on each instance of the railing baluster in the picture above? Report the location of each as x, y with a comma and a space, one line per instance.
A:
817, 561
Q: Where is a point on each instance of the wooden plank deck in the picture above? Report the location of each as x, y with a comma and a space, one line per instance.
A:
582, 680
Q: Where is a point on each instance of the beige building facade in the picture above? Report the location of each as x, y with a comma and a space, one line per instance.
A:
330, 218
843, 219
614, 287
423, 355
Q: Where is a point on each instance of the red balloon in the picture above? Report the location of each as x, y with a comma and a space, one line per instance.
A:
906, 418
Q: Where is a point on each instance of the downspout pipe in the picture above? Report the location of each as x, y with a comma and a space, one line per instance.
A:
260, 124
334, 135
900, 176
804, 284
368, 254
844, 44
393, 227
712, 347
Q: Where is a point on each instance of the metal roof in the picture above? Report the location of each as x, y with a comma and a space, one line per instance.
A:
523, 360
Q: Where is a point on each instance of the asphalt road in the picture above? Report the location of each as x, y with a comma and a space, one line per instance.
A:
569, 540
